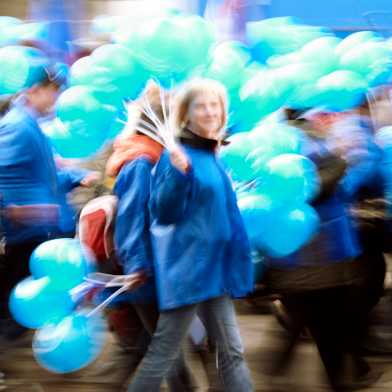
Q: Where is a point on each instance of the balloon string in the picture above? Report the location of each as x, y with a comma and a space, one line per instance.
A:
110, 299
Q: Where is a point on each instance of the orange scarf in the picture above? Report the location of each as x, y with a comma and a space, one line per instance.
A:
130, 147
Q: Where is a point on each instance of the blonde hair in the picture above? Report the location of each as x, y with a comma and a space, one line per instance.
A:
188, 93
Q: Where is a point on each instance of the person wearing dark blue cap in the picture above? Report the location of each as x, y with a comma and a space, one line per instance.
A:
30, 184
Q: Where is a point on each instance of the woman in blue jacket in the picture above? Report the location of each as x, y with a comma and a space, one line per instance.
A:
201, 252
134, 156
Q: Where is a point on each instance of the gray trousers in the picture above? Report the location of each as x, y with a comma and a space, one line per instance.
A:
219, 317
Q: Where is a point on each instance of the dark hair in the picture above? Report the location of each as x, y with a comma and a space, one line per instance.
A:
5, 105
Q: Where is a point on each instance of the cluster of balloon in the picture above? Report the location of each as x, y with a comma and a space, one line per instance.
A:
67, 338
299, 66
275, 183
168, 47
292, 73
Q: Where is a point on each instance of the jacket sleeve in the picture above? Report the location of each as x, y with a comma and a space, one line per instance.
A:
131, 234
171, 192
69, 179
361, 171
362, 156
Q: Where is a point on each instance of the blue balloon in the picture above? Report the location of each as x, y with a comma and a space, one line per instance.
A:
341, 90
255, 210
78, 104
290, 178
271, 140
233, 156
70, 344
126, 73
35, 302
8, 27
64, 260
288, 229
21, 67
74, 139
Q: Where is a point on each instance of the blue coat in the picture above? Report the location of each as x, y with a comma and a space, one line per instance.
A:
200, 247
27, 170
67, 180
131, 235
28, 175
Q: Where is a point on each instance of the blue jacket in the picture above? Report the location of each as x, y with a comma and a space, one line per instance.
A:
27, 171
28, 175
200, 247
131, 235
67, 180
133, 158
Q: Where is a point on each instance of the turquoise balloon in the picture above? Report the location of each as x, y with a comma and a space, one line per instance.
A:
126, 73
280, 138
227, 64
304, 96
251, 71
76, 139
78, 104
289, 228
233, 157
355, 39
269, 141
322, 52
14, 70
296, 83
35, 302
36, 31
290, 178
277, 61
260, 96
342, 90
278, 36
8, 27
169, 47
86, 73
371, 59
70, 344
255, 210
65, 261
20, 67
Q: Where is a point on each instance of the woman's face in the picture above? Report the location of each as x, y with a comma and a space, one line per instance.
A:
205, 115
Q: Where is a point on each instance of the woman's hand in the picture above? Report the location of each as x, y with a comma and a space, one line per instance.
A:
179, 160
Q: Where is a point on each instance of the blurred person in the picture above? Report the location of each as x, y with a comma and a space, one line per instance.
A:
134, 319
30, 184
323, 289
200, 248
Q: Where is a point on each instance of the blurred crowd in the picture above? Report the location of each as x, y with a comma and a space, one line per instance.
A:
288, 198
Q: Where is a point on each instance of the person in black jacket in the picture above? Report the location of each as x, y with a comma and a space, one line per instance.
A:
324, 291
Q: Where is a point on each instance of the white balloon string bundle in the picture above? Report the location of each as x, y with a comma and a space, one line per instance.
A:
164, 129
105, 281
